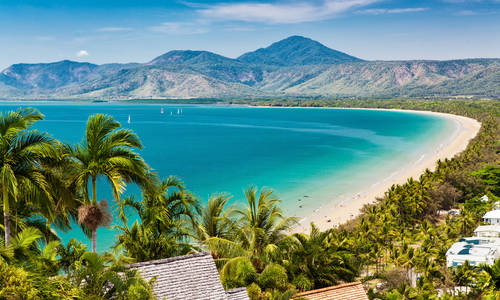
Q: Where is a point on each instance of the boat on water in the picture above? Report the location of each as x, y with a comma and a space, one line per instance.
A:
128, 119
178, 111
161, 110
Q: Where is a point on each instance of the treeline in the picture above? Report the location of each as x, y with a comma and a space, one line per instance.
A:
47, 184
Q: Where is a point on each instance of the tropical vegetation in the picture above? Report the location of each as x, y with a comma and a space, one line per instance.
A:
396, 247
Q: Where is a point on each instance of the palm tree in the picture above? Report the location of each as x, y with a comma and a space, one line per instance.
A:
21, 153
214, 220
262, 224
100, 280
109, 151
319, 257
259, 228
167, 213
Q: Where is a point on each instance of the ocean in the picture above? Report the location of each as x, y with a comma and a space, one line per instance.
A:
315, 155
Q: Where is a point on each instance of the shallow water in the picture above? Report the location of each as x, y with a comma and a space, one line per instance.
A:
323, 154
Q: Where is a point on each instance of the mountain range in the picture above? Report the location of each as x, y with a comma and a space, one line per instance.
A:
293, 67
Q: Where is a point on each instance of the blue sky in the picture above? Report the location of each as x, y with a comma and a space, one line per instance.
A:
102, 31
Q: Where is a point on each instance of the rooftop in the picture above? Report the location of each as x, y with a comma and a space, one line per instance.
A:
345, 291
493, 214
192, 276
487, 228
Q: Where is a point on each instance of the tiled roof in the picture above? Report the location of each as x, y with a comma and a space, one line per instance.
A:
346, 291
237, 294
192, 276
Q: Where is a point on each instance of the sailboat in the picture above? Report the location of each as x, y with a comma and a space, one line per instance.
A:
128, 119
181, 111
178, 111
161, 110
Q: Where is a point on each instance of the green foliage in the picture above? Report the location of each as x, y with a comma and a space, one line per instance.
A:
273, 276
109, 151
167, 212
253, 291
490, 175
399, 236
98, 280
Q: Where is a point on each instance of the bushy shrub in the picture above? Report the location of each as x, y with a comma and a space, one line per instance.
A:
303, 283
254, 291
273, 276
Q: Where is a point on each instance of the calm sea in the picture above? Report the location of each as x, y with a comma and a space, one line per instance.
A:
318, 153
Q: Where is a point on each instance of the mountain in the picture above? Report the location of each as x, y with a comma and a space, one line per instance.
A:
296, 51
296, 67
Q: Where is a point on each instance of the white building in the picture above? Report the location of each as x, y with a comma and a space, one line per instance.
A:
475, 250
492, 217
490, 231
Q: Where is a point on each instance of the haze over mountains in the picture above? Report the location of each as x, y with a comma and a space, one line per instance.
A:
295, 66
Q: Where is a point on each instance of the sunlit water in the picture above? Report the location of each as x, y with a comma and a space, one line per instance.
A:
319, 153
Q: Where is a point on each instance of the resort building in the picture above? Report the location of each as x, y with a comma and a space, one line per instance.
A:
475, 250
192, 276
492, 217
483, 248
346, 291
490, 231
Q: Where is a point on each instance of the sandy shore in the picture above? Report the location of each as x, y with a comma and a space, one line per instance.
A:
337, 212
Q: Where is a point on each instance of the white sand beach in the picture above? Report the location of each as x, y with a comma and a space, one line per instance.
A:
337, 212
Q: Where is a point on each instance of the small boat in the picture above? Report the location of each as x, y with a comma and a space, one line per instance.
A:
178, 111
128, 119
181, 111
161, 110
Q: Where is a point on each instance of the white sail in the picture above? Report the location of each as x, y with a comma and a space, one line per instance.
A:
128, 119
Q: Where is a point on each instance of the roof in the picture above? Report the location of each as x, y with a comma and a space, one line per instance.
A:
192, 276
488, 228
493, 214
345, 291
237, 294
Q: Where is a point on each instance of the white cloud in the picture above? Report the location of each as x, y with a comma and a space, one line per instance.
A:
181, 28
281, 13
114, 29
378, 11
82, 53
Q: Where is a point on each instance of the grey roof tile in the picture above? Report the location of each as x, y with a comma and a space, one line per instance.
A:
192, 276
237, 294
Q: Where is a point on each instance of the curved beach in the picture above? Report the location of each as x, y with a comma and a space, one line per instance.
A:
337, 212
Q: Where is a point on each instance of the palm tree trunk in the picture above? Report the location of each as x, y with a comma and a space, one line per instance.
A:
6, 216
94, 191
94, 240
94, 200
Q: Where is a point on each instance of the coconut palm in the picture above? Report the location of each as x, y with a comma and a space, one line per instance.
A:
21, 153
108, 151
259, 228
167, 213
100, 280
319, 258
262, 224
214, 220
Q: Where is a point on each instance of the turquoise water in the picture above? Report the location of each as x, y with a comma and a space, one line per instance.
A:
321, 153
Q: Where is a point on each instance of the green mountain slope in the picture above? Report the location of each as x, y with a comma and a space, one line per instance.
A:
296, 66
296, 51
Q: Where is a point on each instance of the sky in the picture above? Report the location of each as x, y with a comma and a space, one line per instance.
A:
106, 31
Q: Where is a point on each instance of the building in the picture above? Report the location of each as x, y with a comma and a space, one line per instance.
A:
345, 291
491, 231
492, 217
476, 250
192, 276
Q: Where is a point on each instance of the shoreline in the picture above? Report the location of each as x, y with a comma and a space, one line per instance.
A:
333, 212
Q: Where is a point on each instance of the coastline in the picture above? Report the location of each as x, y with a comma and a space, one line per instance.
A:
334, 213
